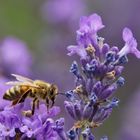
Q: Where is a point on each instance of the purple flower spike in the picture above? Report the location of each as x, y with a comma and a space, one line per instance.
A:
130, 44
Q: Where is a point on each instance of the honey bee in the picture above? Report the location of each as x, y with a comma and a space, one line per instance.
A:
37, 89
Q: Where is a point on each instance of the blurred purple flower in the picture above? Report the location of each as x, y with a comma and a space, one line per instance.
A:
15, 56
63, 11
130, 44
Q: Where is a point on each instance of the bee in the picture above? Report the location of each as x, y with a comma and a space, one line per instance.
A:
37, 90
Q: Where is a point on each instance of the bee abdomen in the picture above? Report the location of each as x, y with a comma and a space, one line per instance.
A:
12, 93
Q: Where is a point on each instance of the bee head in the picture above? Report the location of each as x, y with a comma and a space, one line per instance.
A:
53, 90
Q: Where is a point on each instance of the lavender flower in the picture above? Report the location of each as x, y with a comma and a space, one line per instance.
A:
13, 123
92, 101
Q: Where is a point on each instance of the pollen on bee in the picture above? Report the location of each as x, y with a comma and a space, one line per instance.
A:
27, 113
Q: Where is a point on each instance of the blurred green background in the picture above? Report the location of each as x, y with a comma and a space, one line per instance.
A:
47, 42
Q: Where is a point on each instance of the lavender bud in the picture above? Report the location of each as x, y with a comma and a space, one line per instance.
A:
97, 87
108, 91
71, 134
70, 95
114, 49
87, 134
77, 108
59, 128
102, 114
70, 109
93, 98
89, 84
110, 57
120, 82
122, 60
105, 48
74, 68
87, 111
91, 67
113, 103
118, 70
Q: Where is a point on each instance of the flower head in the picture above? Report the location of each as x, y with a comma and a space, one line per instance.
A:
98, 78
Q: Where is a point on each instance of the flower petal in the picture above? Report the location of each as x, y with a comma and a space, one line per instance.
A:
130, 44
79, 50
95, 22
127, 34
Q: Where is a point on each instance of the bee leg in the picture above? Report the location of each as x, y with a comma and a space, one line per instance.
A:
53, 101
23, 97
33, 106
47, 102
37, 104
15, 102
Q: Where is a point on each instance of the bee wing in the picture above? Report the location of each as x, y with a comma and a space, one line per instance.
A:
18, 83
13, 83
22, 78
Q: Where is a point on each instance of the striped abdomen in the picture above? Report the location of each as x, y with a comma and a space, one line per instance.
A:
15, 92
